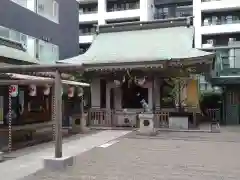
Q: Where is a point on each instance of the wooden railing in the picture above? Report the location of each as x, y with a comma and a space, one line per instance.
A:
100, 117
108, 118
161, 119
214, 114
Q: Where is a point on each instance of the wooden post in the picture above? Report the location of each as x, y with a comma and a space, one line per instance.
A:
58, 114
153, 95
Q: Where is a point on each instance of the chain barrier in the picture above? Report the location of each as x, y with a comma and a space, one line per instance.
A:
9, 120
53, 117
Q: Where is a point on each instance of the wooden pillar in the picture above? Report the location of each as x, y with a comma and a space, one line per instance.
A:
157, 93
117, 98
108, 88
95, 93
153, 94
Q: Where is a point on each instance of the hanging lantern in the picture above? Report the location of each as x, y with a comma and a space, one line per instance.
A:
46, 90
117, 83
71, 91
80, 92
13, 90
32, 90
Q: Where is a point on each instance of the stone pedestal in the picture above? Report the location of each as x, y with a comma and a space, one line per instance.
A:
58, 163
83, 124
178, 122
146, 124
79, 123
215, 127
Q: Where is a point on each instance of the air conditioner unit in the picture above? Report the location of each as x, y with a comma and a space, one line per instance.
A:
231, 41
126, 120
210, 43
206, 22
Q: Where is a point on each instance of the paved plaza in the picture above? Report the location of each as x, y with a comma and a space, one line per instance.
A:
169, 156
30, 160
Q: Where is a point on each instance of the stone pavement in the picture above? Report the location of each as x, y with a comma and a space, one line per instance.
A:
170, 156
31, 160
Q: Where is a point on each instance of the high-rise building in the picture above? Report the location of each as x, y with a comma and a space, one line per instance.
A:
217, 28
99, 12
48, 29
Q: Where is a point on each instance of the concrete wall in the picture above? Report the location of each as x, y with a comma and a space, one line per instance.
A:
64, 34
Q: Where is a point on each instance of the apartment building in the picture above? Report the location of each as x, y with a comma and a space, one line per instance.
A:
48, 29
217, 28
98, 12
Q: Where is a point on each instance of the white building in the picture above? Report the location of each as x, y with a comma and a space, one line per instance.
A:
212, 18
217, 28
99, 12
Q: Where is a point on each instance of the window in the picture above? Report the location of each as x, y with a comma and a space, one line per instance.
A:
36, 48
4, 32
55, 10
48, 9
15, 36
31, 46
47, 52
162, 13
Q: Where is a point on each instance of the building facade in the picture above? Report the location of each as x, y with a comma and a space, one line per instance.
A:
217, 29
48, 29
99, 12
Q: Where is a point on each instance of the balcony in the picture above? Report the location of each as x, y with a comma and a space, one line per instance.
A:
86, 39
125, 14
88, 17
220, 25
173, 11
88, 14
122, 11
86, 35
219, 5
227, 58
220, 29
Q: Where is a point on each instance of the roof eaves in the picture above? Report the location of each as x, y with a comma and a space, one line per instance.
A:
143, 25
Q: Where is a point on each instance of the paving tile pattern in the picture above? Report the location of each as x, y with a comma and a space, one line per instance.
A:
170, 156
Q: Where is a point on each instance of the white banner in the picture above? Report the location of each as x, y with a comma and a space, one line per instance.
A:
80, 91
32, 90
46, 90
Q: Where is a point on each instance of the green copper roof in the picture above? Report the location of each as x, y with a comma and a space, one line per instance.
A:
13, 50
140, 46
